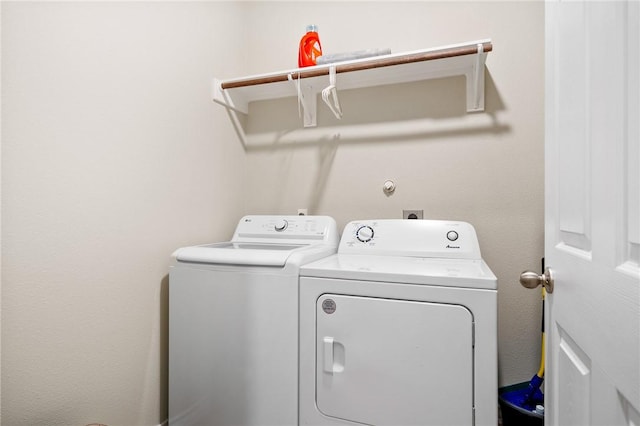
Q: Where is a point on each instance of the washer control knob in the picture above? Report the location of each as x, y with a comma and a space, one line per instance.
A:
281, 225
364, 233
452, 235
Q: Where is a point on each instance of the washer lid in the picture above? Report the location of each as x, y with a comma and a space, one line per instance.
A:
468, 273
261, 240
230, 253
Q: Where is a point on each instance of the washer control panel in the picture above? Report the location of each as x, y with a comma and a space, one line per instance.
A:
419, 238
280, 229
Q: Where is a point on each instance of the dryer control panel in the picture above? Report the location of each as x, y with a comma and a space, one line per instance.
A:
415, 238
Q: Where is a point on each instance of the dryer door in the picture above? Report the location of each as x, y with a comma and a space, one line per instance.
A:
394, 362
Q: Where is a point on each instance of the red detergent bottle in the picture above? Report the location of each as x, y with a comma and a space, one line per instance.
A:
310, 47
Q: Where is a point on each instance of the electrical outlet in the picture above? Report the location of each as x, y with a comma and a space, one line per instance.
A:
412, 214
302, 212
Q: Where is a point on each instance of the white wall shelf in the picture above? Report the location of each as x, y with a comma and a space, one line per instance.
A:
466, 59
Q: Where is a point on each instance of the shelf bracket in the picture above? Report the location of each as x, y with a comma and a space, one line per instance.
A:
224, 98
475, 82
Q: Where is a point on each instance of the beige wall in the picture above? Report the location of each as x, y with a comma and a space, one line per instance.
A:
113, 156
484, 168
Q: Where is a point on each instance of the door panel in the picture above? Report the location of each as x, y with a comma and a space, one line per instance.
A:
394, 362
574, 369
574, 211
592, 214
632, 417
631, 257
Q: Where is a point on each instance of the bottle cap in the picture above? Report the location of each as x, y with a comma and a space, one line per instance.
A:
312, 28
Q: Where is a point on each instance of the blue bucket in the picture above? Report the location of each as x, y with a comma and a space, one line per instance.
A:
519, 404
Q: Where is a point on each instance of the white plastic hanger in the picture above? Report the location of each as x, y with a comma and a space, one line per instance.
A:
331, 90
306, 101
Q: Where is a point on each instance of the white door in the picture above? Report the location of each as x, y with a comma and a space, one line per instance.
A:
593, 212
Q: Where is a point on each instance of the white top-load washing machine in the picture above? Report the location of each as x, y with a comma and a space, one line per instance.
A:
233, 322
399, 328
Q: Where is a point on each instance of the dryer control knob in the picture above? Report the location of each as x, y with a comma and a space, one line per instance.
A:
452, 235
281, 225
364, 233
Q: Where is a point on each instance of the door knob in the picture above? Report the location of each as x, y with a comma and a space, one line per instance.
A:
530, 279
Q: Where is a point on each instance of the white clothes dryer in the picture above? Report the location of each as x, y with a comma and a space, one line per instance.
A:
233, 322
399, 327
